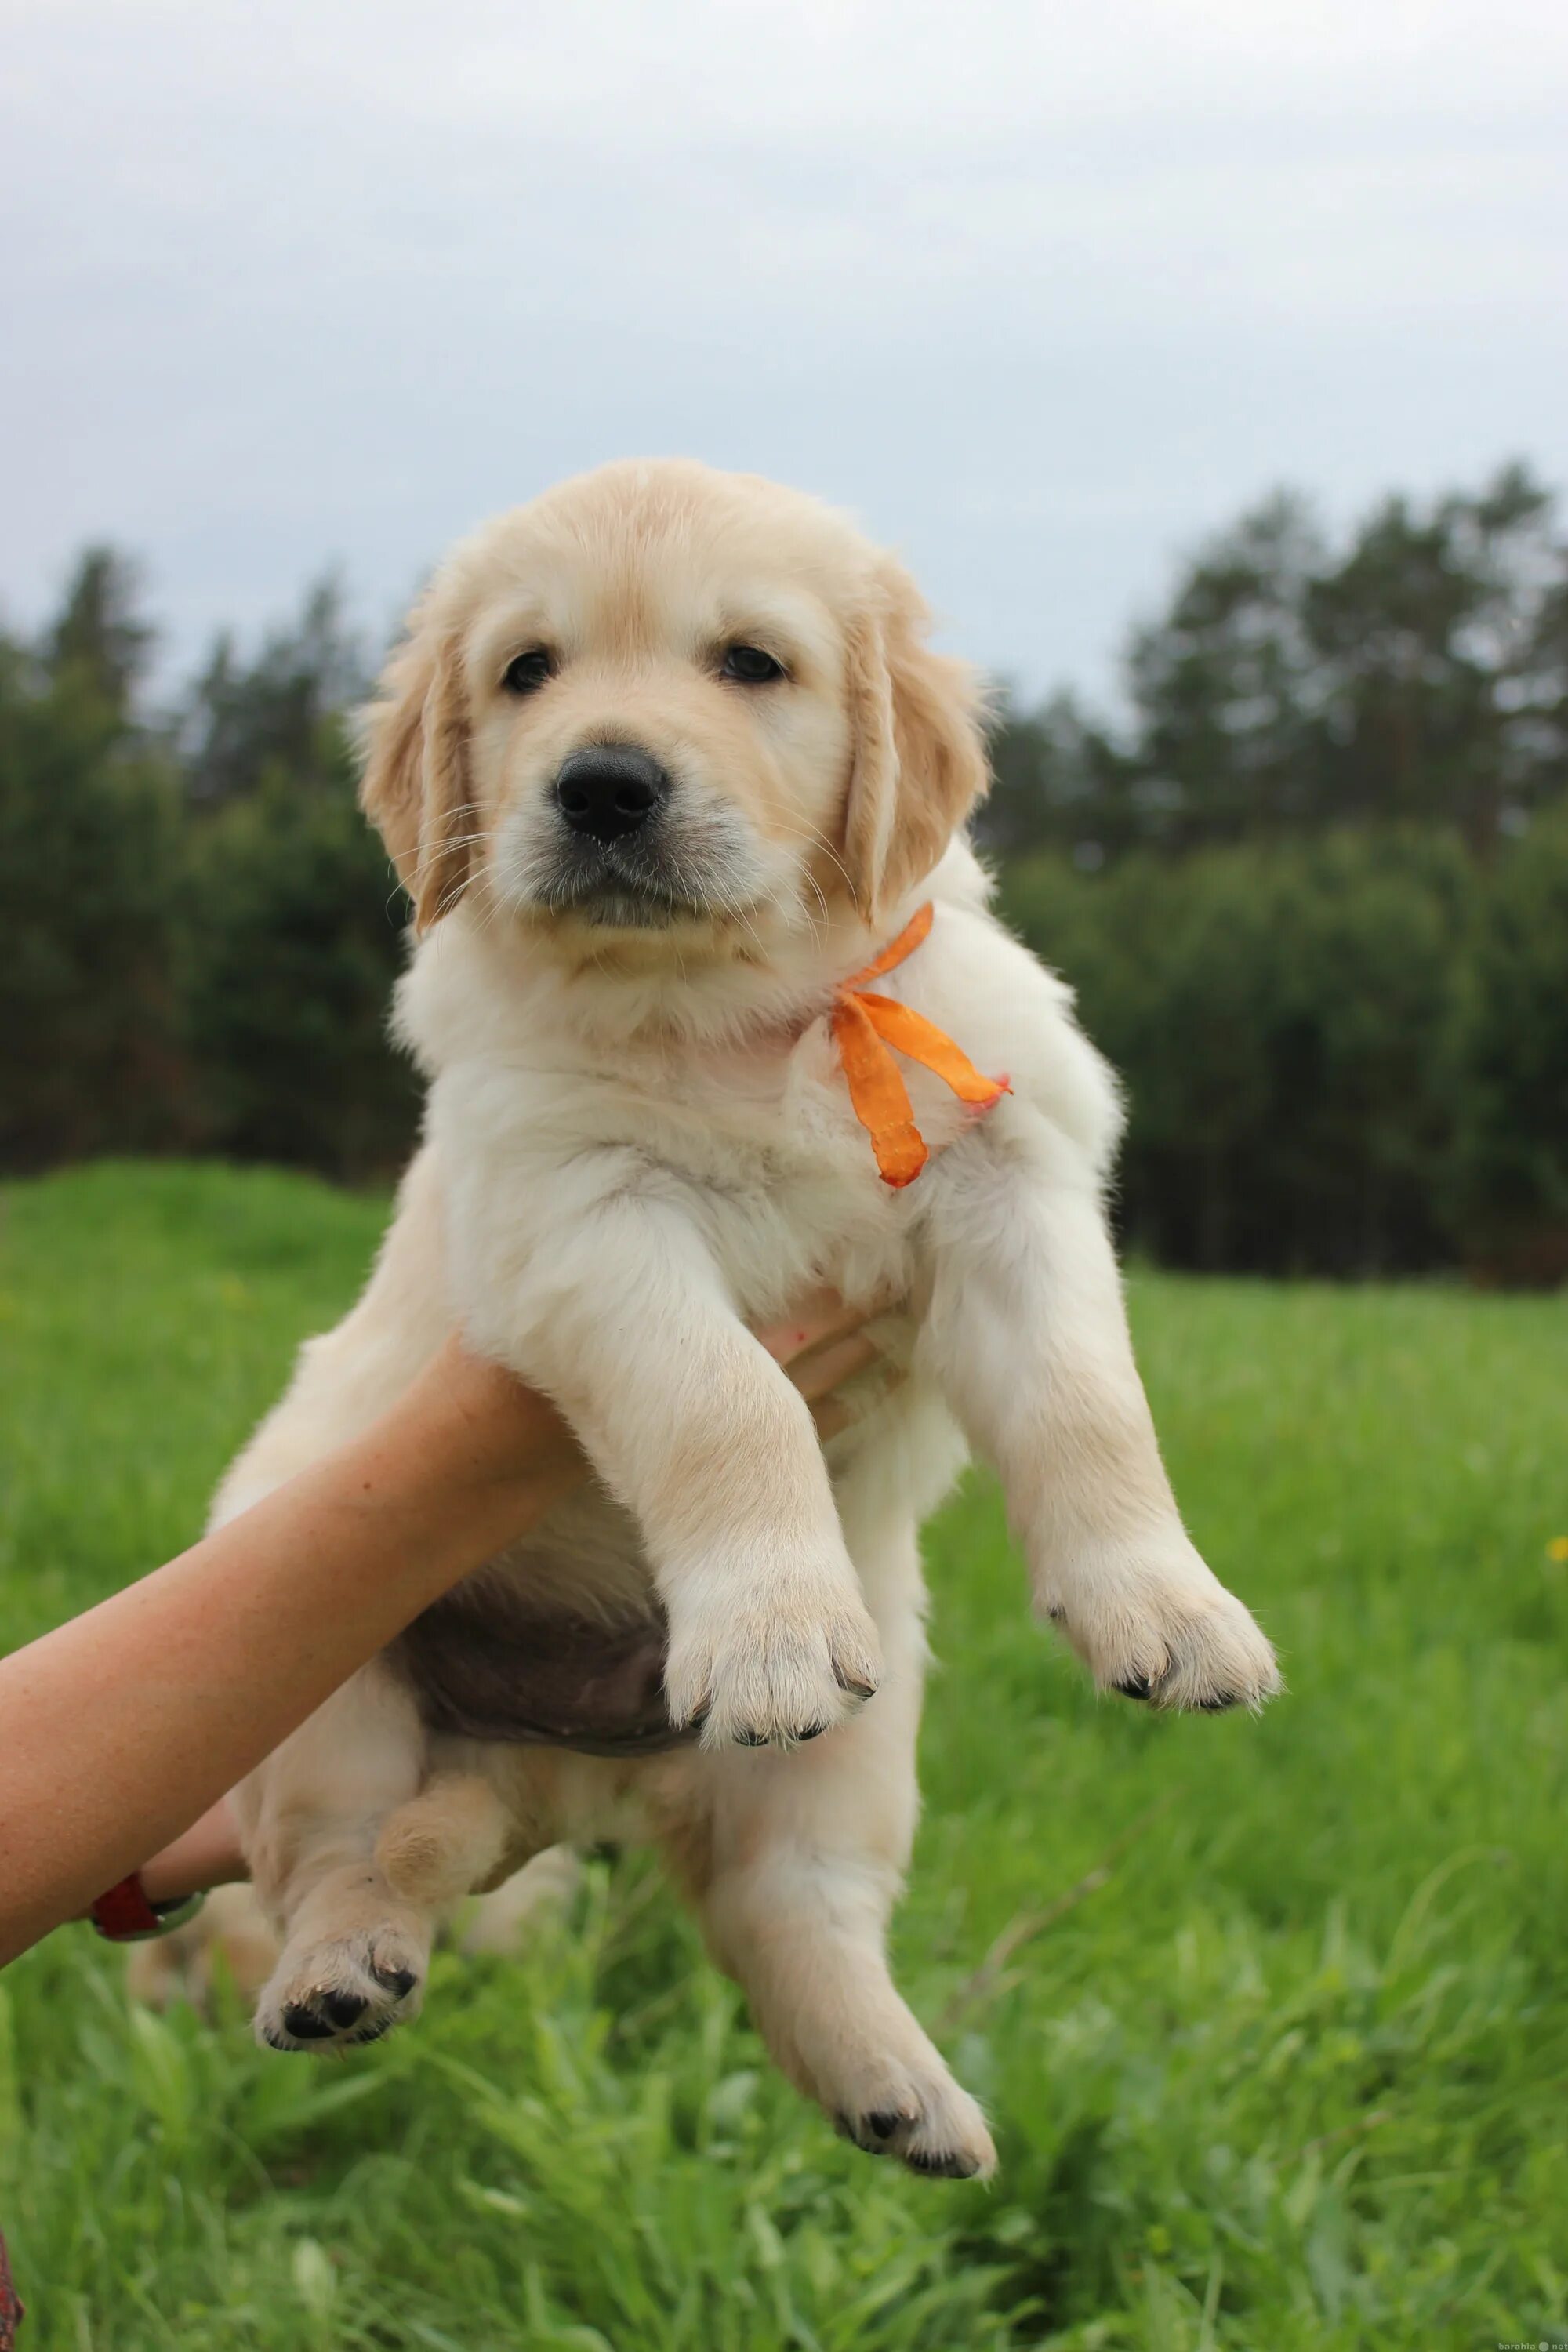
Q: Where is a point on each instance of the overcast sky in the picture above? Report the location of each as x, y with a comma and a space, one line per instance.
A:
1043, 293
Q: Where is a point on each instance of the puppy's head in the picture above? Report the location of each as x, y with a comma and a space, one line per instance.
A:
666, 708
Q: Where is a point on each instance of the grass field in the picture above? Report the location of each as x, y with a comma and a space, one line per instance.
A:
1275, 2035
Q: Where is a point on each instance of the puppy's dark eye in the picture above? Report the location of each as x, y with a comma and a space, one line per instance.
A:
527, 673
750, 666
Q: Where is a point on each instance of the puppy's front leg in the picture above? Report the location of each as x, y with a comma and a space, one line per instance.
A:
625, 1319
1028, 1335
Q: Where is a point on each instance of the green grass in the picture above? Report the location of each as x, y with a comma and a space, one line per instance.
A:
1283, 2066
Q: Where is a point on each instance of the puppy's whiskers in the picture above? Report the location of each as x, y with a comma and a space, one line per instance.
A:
809, 833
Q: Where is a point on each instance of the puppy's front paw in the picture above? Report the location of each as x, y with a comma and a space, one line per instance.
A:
342, 1991
1155, 1624
783, 1663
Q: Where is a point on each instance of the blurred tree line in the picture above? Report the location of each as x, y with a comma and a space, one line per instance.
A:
1311, 887
1313, 892
202, 930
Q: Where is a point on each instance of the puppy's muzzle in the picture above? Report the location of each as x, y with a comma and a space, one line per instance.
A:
609, 790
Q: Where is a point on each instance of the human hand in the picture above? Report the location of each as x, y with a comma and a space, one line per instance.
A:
207, 1855
823, 1345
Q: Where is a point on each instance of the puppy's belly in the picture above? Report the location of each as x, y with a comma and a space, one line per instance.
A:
559, 1643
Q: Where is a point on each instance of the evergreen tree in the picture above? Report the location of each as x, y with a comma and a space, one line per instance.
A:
1433, 635
1419, 675
99, 642
246, 719
1059, 780
1223, 688
91, 1054
293, 927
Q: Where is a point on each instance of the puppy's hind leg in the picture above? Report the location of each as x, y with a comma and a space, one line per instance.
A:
794, 1890
454, 1838
355, 1949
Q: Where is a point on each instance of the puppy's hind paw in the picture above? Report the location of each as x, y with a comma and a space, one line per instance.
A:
342, 1992
933, 2127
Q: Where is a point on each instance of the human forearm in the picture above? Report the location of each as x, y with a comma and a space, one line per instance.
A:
118, 1729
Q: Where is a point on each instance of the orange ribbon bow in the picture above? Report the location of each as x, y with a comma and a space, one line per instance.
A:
864, 1027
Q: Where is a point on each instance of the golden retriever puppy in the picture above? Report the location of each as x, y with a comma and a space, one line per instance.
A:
665, 762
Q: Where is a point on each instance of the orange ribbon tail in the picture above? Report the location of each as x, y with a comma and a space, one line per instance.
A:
865, 1025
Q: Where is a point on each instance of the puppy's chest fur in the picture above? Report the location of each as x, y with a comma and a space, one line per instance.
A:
759, 1143
755, 1141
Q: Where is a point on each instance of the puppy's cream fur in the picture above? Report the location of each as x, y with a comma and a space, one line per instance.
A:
638, 1140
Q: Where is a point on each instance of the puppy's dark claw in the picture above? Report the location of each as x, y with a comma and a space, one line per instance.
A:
942, 2166
845, 2130
1139, 1687
853, 1684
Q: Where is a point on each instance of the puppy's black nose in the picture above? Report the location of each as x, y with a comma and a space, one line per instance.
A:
610, 789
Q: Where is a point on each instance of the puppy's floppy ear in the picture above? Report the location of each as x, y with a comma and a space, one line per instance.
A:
918, 758
415, 785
